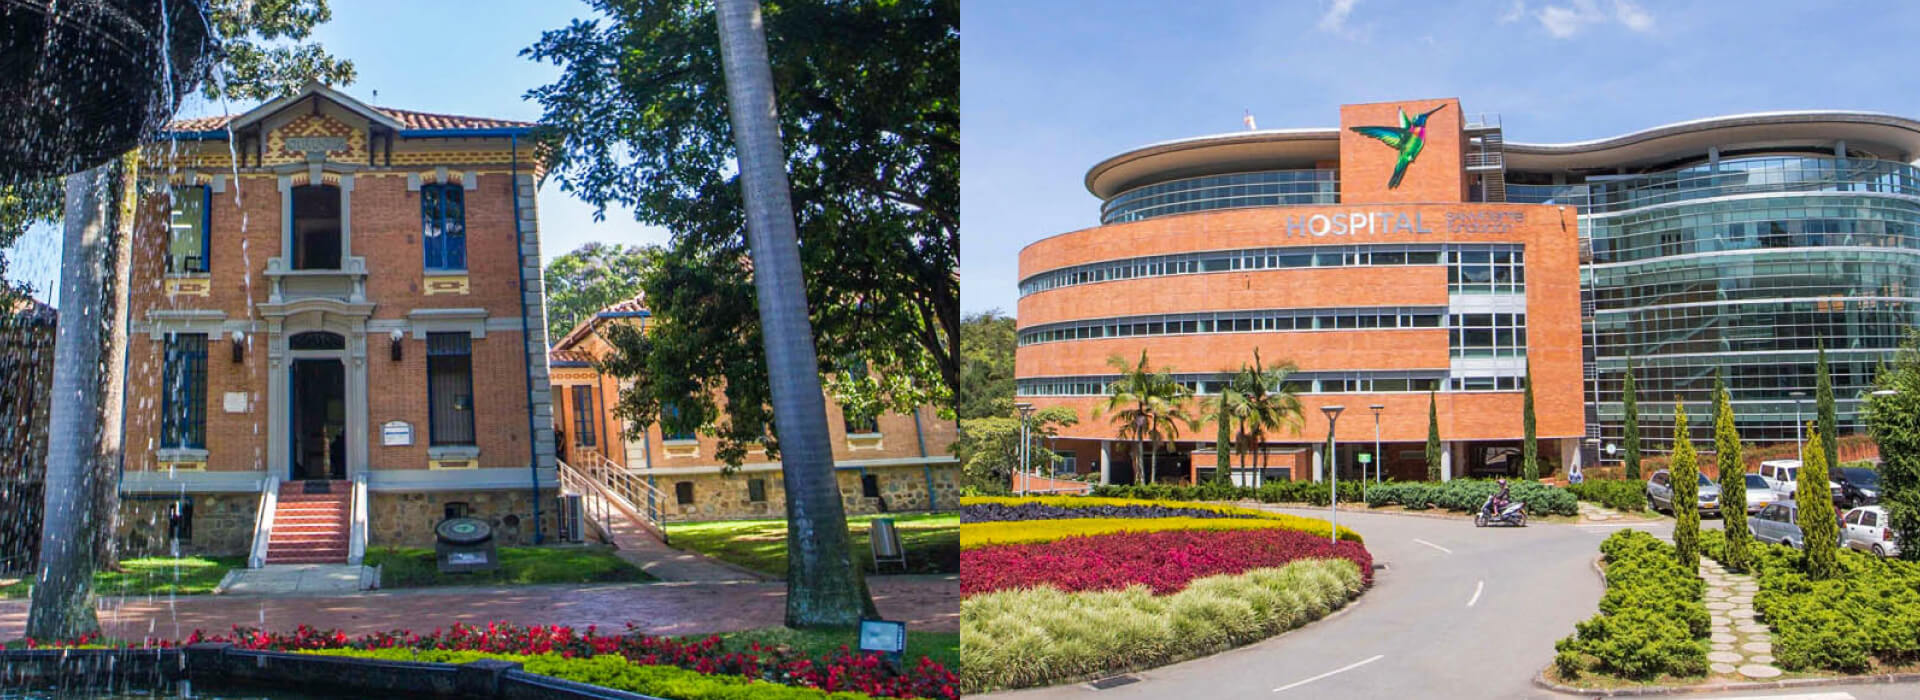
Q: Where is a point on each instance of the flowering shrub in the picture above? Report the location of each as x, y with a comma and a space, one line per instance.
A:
1455, 495
974, 535
842, 670
998, 512
1164, 562
616, 673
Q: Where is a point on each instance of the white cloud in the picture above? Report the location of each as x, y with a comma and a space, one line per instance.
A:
1563, 21
1635, 17
1335, 19
1515, 13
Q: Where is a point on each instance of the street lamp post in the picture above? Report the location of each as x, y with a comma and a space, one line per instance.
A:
1798, 449
1026, 417
1333, 503
1377, 457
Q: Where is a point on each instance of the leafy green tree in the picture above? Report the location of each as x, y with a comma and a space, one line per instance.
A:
1148, 405
1686, 492
867, 93
989, 448
1818, 526
986, 365
1733, 478
1433, 437
1824, 407
592, 277
267, 52
1633, 427
1893, 416
1269, 406
1530, 447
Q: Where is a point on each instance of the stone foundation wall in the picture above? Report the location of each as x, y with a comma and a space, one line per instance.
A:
222, 524
719, 496
406, 519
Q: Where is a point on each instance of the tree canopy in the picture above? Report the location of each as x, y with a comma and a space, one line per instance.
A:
868, 99
591, 278
986, 365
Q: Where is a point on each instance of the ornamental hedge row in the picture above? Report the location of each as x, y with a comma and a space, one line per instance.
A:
616, 673
1463, 495
1652, 620
1619, 494
1164, 562
996, 512
973, 535
1866, 616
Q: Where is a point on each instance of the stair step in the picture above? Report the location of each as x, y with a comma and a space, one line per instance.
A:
282, 535
306, 548
341, 559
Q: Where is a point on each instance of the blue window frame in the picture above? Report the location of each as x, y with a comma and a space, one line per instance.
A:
443, 226
585, 416
670, 428
189, 230
450, 389
183, 409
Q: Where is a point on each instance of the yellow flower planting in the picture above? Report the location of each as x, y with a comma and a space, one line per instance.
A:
1015, 532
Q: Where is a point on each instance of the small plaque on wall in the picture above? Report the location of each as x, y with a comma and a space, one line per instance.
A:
396, 433
234, 402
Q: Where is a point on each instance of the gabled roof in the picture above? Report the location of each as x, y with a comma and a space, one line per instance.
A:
635, 307
401, 120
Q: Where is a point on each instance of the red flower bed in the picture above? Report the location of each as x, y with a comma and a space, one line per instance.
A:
842, 670
1162, 561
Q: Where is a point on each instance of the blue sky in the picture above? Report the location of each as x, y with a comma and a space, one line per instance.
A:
447, 56
1050, 88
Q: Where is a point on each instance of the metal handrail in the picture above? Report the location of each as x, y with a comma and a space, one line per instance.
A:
263, 521
615, 488
357, 539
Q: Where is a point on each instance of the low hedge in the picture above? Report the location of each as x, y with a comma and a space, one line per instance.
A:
974, 535
1463, 495
1041, 636
1866, 616
616, 673
1618, 494
1652, 620
1164, 562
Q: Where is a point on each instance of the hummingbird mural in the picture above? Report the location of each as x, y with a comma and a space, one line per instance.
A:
1408, 138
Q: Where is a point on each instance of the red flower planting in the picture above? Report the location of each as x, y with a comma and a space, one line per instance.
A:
1162, 561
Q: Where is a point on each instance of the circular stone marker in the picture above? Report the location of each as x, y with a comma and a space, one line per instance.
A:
1759, 671
1758, 647
1762, 659
1723, 638
1725, 657
1749, 628
1722, 668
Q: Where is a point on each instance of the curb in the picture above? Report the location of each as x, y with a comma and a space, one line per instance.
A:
1540, 680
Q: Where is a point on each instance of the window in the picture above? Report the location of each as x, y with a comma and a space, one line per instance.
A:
184, 398
858, 424
316, 227
683, 492
455, 509
187, 244
584, 416
670, 428
180, 521
443, 226
450, 388
870, 485
757, 490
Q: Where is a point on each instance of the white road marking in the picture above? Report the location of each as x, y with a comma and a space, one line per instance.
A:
1798, 696
1435, 546
1342, 669
1476, 593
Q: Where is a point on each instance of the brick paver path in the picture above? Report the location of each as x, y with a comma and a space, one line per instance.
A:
1739, 644
930, 603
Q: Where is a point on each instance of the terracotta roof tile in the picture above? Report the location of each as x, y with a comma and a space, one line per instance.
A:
408, 118
559, 357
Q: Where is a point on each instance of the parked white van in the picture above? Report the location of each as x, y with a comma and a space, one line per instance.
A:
1783, 475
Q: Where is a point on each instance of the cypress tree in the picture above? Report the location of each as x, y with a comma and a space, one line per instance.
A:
1433, 437
1633, 427
1733, 478
1223, 447
1686, 493
1816, 520
1823, 398
1530, 448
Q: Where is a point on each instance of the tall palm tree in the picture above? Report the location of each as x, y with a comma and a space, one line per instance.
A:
1147, 404
1271, 403
823, 587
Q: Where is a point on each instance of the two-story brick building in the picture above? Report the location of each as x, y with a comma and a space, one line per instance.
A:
336, 333
888, 463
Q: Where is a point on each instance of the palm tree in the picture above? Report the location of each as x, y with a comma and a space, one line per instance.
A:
823, 587
1147, 404
1271, 403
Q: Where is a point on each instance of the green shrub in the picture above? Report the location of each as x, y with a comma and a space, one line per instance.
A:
1866, 614
612, 671
1464, 495
1618, 494
1651, 620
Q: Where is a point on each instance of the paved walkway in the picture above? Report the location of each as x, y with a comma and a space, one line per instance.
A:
296, 579
642, 548
1740, 645
930, 603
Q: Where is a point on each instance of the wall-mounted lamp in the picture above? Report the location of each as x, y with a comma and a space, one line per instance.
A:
395, 337
239, 346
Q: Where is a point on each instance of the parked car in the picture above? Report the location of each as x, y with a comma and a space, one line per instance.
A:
1760, 494
1660, 493
1865, 528
1784, 474
1859, 486
1779, 524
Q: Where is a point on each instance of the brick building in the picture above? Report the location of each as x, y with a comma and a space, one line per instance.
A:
26, 375
336, 333
888, 463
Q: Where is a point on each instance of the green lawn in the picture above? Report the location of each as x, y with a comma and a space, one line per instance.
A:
932, 541
943, 647
152, 576
411, 567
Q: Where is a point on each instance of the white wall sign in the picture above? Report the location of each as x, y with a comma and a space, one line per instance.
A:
235, 402
396, 433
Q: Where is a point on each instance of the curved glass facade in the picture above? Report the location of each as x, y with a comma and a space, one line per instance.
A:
1256, 189
1746, 268
1477, 268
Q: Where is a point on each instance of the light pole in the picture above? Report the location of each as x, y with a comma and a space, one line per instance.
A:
1333, 503
1798, 449
1026, 416
1377, 458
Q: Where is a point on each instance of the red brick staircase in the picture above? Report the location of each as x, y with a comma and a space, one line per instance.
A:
310, 528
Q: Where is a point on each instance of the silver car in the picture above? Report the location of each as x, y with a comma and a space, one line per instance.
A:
1760, 494
1779, 524
1660, 493
1866, 529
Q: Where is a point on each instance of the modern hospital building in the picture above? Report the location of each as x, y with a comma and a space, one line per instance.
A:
1414, 249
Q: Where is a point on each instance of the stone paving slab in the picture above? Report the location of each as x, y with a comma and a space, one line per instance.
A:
1747, 649
299, 579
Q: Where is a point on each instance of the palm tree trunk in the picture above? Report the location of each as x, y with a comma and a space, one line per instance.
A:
823, 587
